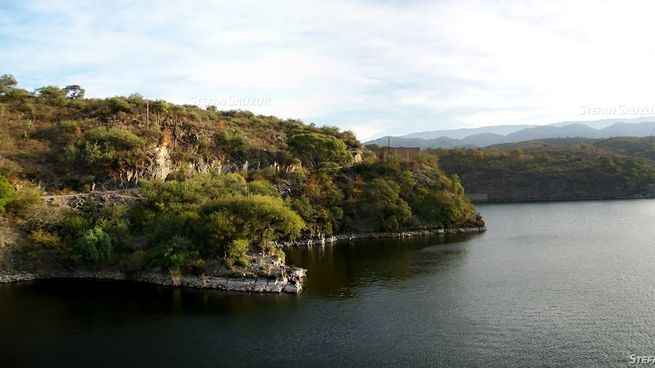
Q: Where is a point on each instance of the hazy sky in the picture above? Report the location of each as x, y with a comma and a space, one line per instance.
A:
375, 67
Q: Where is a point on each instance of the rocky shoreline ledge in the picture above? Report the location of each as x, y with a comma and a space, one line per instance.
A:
291, 282
288, 280
384, 235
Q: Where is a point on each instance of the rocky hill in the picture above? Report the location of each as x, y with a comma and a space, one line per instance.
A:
192, 190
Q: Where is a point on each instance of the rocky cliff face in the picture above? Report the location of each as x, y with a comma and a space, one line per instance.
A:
162, 165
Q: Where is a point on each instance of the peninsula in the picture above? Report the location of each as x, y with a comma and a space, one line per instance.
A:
134, 189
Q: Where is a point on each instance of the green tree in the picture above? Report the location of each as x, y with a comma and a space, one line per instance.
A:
378, 206
51, 95
315, 148
258, 218
319, 203
74, 92
7, 83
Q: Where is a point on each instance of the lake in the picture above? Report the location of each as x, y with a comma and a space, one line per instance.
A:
549, 284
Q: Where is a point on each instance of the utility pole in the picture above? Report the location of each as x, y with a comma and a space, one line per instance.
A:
388, 148
175, 133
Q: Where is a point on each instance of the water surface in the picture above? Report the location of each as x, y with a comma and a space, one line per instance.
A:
550, 284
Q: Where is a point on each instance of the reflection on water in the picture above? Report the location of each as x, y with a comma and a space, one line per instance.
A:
550, 284
343, 269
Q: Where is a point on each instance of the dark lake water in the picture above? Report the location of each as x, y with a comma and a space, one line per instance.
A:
550, 284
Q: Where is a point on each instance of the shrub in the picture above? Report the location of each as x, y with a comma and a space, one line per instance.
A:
196, 190
95, 245
104, 152
174, 254
136, 99
52, 95
114, 138
117, 104
73, 226
328, 168
114, 219
315, 148
69, 126
45, 238
6, 193
258, 218
160, 106
231, 141
281, 255
237, 253
263, 187
380, 207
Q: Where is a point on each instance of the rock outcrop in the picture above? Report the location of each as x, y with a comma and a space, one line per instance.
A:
290, 282
16, 267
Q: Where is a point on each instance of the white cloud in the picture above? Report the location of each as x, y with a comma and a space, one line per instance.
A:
376, 68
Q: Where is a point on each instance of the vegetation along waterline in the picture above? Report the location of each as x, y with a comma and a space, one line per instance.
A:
203, 197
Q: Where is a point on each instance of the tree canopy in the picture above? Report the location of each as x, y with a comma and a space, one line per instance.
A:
315, 148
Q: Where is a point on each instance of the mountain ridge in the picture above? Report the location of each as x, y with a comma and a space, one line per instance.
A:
488, 136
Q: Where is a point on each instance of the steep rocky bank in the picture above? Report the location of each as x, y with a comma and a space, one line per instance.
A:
291, 282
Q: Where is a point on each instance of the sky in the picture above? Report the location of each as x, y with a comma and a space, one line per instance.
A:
374, 67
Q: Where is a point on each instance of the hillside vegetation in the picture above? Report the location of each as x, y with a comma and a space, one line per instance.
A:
551, 169
214, 187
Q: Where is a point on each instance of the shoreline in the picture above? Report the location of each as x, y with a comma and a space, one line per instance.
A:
291, 280
333, 239
563, 199
288, 284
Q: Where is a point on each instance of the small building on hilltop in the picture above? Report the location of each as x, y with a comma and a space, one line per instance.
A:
357, 155
400, 153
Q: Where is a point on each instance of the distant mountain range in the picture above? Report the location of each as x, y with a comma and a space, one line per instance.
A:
499, 134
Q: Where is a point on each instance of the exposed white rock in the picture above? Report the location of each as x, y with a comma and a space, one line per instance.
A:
321, 240
290, 284
162, 164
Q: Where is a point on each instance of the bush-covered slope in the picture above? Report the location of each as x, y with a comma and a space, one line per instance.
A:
557, 169
214, 187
